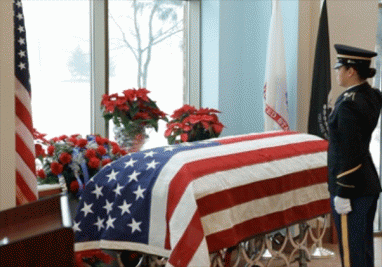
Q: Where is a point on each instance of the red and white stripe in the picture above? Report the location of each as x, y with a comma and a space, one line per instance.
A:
26, 182
211, 198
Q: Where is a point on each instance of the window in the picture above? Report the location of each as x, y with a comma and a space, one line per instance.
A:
67, 43
58, 53
146, 50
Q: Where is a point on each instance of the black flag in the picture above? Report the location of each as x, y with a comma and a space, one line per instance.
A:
321, 83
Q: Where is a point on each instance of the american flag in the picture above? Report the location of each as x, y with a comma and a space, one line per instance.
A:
26, 182
186, 201
275, 86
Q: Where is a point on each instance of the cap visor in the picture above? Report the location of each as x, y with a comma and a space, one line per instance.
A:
338, 65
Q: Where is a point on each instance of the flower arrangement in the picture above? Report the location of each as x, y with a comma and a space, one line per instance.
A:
73, 158
190, 124
95, 257
132, 110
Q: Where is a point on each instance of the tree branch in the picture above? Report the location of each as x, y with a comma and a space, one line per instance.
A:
151, 38
124, 38
138, 37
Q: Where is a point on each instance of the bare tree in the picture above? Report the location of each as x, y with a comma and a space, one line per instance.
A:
162, 22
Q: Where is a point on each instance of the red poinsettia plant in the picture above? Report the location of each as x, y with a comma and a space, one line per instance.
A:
74, 158
132, 109
189, 124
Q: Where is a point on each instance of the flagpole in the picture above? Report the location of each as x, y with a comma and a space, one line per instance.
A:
345, 239
380, 150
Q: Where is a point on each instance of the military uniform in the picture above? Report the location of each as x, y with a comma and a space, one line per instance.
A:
352, 175
351, 123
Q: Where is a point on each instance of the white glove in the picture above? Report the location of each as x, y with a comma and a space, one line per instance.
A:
342, 205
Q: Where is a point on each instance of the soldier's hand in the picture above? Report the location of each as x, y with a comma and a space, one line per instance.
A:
342, 205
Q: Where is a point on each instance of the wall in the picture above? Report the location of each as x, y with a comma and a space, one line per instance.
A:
234, 40
7, 117
234, 43
350, 22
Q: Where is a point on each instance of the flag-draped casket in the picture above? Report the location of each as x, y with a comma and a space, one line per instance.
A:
185, 201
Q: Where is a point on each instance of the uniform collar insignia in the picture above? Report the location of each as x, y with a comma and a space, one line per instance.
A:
349, 95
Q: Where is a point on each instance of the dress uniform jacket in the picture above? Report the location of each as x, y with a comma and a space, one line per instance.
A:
355, 115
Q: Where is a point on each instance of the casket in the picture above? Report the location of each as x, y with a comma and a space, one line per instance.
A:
188, 200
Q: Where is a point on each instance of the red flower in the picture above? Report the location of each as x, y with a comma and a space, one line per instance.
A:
158, 113
142, 94
134, 106
217, 127
106, 161
56, 168
94, 254
55, 139
185, 109
109, 102
205, 124
191, 124
65, 158
101, 150
51, 150
130, 94
90, 153
116, 148
168, 132
186, 127
41, 174
94, 163
73, 140
62, 137
74, 186
39, 136
82, 143
120, 103
39, 150
207, 111
100, 141
142, 116
184, 137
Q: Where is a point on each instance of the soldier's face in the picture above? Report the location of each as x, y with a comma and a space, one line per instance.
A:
342, 76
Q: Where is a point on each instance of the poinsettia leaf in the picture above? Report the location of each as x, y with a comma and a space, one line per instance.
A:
152, 104
153, 123
108, 116
134, 109
165, 119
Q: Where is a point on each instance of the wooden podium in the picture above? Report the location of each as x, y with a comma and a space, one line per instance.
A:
37, 234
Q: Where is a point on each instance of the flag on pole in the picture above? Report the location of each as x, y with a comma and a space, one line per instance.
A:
321, 84
275, 87
26, 182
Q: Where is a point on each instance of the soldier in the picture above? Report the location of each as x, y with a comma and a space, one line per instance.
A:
354, 185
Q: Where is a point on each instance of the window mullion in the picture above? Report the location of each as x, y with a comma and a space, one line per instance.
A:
193, 66
99, 63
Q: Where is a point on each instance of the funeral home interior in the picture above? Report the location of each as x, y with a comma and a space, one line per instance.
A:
223, 65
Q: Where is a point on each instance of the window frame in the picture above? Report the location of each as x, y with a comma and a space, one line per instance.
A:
100, 59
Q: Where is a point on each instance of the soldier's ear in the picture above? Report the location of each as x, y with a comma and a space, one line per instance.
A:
351, 72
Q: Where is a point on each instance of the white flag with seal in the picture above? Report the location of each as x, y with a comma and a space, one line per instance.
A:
275, 87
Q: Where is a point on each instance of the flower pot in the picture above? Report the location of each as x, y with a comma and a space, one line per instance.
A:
130, 140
